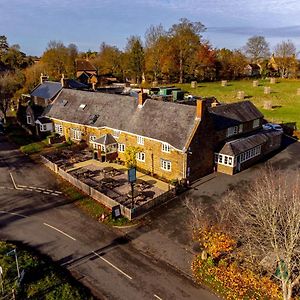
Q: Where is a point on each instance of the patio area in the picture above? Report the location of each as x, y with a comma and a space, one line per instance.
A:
109, 179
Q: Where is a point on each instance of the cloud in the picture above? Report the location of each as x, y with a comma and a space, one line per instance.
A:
278, 32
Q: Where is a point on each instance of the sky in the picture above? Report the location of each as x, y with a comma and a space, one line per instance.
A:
88, 23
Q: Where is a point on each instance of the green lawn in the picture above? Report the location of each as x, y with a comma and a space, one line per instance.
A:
285, 102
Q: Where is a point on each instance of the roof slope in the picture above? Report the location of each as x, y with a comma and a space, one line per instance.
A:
47, 90
84, 65
241, 145
164, 121
106, 139
232, 114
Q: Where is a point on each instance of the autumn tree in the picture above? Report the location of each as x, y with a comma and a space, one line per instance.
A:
185, 38
257, 49
108, 61
230, 63
266, 220
156, 41
135, 58
9, 84
285, 57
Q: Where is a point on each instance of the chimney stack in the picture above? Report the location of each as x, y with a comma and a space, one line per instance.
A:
63, 81
215, 103
142, 98
200, 109
43, 78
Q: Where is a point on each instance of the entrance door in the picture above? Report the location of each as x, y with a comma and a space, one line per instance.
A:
95, 155
238, 163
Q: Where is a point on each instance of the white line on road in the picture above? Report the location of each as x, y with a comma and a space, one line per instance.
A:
157, 297
60, 231
108, 262
22, 186
11, 213
13, 181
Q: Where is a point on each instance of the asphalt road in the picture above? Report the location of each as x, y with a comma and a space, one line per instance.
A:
34, 212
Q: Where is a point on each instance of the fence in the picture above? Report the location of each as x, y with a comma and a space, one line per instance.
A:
105, 200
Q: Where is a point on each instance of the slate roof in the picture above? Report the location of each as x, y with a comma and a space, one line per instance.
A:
47, 90
233, 114
84, 65
106, 139
43, 120
241, 145
163, 121
74, 84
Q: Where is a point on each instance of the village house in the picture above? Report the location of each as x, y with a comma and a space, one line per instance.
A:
86, 73
174, 141
252, 70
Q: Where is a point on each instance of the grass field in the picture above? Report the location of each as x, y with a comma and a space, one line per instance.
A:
284, 98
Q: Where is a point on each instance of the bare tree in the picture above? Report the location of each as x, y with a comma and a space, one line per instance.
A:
266, 219
286, 61
257, 48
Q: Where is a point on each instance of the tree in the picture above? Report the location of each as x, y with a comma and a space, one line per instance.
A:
72, 52
267, 222
9, 84
135, 57
257, 48
156, 40
3, 44
285, 58
185, 39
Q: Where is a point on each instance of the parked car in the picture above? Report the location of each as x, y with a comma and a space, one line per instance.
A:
269, 126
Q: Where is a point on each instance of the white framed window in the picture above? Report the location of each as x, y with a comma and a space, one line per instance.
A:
256, 123
223, 159
165, 148
140, 140
232, 130
93, 138
43, 127
121, 147
116, 133
76, 134
28, 119
58, 129
140, 156
250, 153
166, 165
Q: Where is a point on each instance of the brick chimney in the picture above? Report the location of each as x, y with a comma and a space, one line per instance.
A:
200, 108
142, 98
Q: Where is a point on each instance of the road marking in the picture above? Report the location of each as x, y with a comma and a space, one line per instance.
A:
13, 181
46, 193
112, 265
157, 297
11, 213
22, 186
60, 231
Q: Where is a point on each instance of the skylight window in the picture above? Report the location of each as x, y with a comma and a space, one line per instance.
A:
64, 102
82, 106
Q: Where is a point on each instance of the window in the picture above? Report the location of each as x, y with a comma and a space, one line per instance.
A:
165, 148
250, 153
233, 130
140, 156
92, 138
140, 140
165, 165
76, 134
82, 106
116, 133
43, 127
58, 129
255, 123
240, 128
224, 159
121, 147
29, 121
